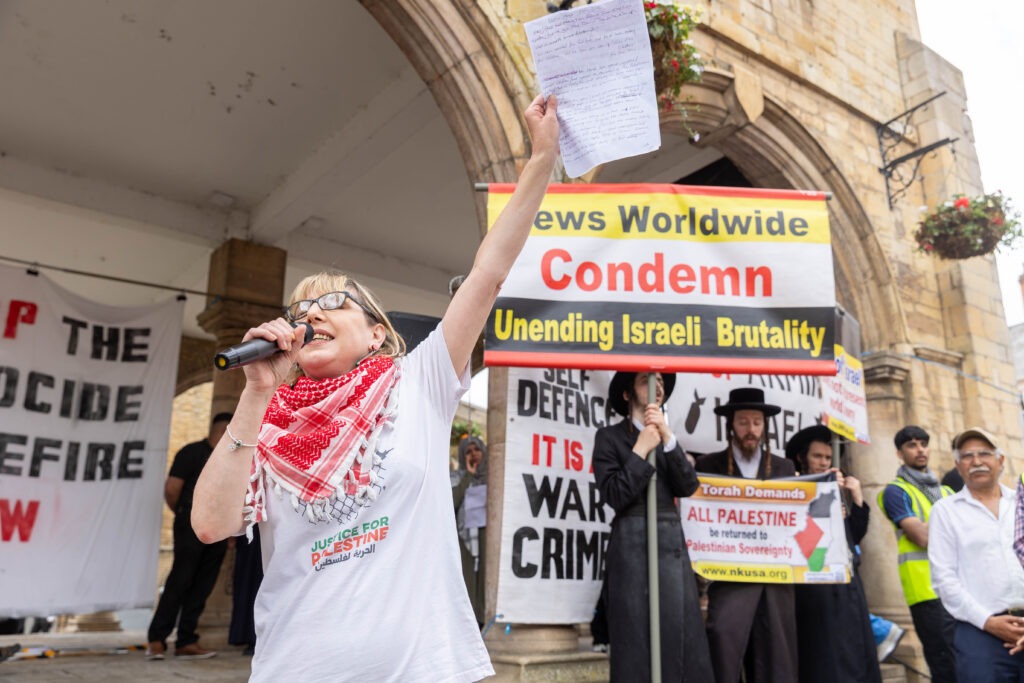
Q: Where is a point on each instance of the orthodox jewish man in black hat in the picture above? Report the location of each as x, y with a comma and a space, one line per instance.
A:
750, 626
622, 473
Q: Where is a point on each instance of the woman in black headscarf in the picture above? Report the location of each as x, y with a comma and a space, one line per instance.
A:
472, 473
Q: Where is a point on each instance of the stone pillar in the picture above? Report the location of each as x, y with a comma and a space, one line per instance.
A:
974, 341
875, 465
522, 652
887, 377
246, 282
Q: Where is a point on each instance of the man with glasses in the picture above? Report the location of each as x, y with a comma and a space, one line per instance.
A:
974, 569
907, 501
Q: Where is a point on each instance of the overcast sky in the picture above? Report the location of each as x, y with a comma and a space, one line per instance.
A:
985, 40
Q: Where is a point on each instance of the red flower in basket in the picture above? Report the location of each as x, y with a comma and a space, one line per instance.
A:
964, 227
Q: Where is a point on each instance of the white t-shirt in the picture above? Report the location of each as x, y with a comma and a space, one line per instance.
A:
378, 595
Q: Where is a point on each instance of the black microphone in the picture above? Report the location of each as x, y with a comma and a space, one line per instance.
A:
253, 350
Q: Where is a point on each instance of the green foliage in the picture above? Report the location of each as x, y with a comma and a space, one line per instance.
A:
676, 60
462, 429
963, 227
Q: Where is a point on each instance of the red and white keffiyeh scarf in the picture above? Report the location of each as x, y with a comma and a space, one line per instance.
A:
317, 441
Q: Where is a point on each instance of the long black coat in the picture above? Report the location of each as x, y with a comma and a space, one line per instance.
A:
833, 619
622, 478
751, 621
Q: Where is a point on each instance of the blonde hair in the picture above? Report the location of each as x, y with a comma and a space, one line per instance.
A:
325, 281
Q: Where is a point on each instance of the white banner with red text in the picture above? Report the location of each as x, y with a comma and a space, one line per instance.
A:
770, 531
688, 279
554, 527
85, 408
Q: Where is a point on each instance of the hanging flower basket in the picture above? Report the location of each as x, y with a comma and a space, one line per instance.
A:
676, 61
963, 227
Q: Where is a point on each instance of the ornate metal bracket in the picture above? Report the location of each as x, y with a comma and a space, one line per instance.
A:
897, 181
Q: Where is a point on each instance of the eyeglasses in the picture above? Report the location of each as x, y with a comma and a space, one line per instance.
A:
977, 454
327, 302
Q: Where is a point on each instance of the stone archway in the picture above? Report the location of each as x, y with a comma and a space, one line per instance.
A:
773, 149
456, 51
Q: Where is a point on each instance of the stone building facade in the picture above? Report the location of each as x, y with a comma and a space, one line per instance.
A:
792, 97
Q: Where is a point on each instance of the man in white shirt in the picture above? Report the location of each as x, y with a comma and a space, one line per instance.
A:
974, 569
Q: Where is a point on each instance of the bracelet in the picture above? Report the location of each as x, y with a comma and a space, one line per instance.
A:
236, 443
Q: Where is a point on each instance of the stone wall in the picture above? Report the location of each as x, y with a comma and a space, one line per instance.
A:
839, 70
190, 421
822, 76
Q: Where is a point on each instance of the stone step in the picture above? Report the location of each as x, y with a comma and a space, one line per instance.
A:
894, 673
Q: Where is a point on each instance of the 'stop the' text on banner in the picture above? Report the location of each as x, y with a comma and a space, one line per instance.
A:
85, 407
685, 279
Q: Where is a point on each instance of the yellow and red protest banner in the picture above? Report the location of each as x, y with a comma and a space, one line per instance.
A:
767, 531
671, 277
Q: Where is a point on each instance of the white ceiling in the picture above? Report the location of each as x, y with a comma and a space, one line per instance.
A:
125, 121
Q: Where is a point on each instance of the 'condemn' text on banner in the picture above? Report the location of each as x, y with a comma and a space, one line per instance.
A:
687, 279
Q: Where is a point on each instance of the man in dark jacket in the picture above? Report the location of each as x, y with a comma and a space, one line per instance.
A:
196, 565
623, 473
750, 625
832, 620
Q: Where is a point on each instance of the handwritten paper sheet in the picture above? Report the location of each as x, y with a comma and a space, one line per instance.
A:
597, 60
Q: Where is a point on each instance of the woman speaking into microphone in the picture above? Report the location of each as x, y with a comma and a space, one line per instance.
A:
338, 449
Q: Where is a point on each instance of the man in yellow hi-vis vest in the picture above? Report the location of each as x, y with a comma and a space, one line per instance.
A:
907, 502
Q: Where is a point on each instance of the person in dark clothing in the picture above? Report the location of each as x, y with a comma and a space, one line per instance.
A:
472, 474
751, 626
623, 474
196, 565
953, 480
833, 626
245, 585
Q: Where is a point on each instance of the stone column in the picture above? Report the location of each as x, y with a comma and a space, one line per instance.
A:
246, 282
522, 652
875, 465
887, 376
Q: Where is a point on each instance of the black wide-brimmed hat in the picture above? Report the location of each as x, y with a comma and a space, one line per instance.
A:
747, 398
623, 381
801, 441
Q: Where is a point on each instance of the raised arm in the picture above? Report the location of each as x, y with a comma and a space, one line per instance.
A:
472, 303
